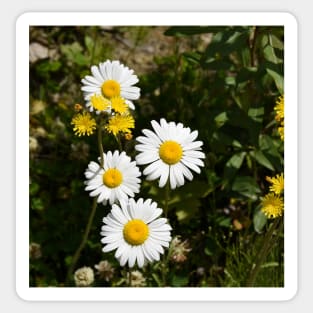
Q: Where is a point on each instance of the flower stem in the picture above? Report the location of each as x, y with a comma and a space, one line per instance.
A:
90, 220
100, 147
262, 255
83, 242
167, 195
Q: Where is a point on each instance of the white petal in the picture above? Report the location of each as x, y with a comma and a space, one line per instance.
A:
140, 256
118, 214
151, 135
120, 250
131, 93
193, 160
111, 246
159, 131
125, 255
193, 145
144, 158
132, 257
191, 165
96, 73
194, 154
173, 182
113, 237
178, 174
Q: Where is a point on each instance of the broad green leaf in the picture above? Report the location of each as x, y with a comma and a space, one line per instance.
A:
261, 159
278, 79
259, 221
246, 186
234, 164
223, 221
221, 119
270, 55
256, 114
89, 44
275, 42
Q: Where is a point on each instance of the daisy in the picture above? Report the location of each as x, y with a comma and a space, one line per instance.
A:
135, 230
111, 79
170, 152
117, 180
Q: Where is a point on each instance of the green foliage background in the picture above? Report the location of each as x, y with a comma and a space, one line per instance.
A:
222, 81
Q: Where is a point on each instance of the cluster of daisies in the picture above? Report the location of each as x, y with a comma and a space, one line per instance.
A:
134, 229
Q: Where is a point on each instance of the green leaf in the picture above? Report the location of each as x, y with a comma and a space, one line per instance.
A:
157, 279
221, 119
179, 281
33, 188
37, 204
89, 44
223, 221
234, 164
259, 221
256, 114
261, 159
278, 79
246, 186
193, 57
275, 42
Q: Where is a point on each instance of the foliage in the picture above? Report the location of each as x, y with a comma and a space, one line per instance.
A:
222, 81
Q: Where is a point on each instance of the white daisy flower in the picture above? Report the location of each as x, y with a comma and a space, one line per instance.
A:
109, 79
170, 152
117, 180
135, 230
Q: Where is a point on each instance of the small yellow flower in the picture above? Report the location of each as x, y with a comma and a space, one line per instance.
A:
100, 103
119, 105
281, 131
84, 124
272, 205
279, 108
277, 183
120, 123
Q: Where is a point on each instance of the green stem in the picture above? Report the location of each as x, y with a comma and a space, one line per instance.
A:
100, 147
262, 255
119, 142
83, 242
91, 217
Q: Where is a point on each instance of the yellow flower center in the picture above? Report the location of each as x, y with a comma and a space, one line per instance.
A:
100, 103
112, 178
170, 152
136, 232
111, 88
